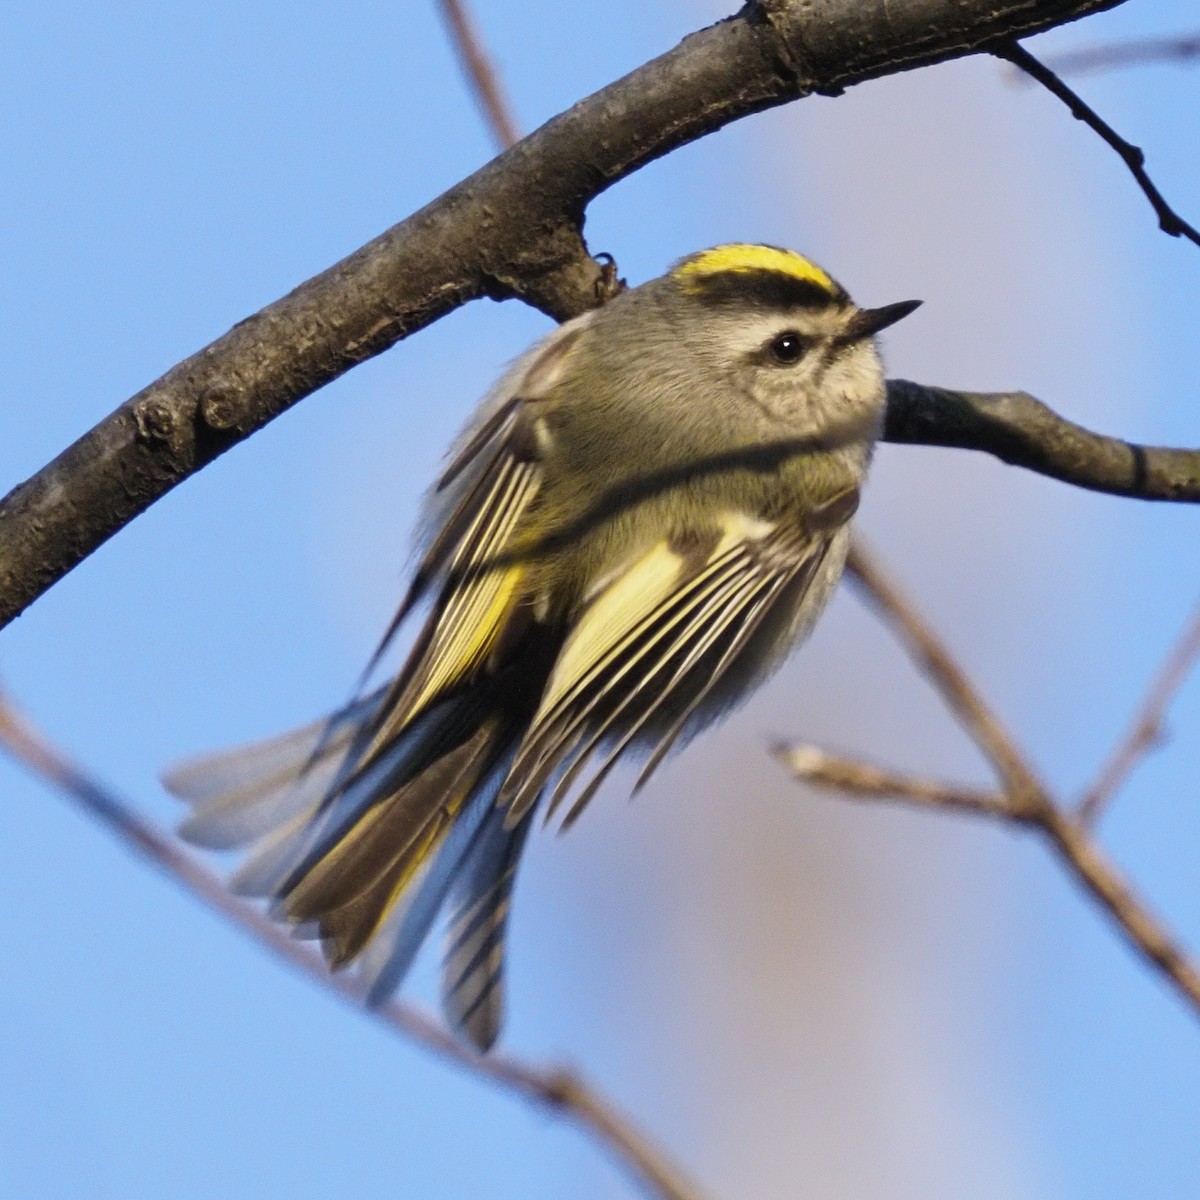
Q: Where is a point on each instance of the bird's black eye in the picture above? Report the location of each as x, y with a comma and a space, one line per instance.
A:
788, 348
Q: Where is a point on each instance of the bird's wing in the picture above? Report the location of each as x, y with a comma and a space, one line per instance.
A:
486, 494
368, 868
650, 647
356, 825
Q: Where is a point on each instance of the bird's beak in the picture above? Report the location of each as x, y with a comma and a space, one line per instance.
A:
869, 321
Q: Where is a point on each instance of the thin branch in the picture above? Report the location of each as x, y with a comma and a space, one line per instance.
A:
513, 229
1082, 857
1142, 929
1169, 221
1137, 52
556, 1089
1023, 790
479, 72
859, 780
1020, 430
1024, 798
1146, 732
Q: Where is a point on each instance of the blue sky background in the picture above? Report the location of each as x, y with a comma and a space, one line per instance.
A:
795, 995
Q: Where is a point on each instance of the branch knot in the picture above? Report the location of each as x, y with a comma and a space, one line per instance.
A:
155, 420
221, 405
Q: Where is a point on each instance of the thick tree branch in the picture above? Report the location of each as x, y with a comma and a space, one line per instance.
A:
554, 1088
511, 229
1019, 429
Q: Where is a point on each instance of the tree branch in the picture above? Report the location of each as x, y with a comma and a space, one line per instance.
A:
1022, 788
485, 84
1023, 799
859, 780
1134, 158
556, 1089
1146, 731
1079, 853
1020, 430
1137, 52
513, 229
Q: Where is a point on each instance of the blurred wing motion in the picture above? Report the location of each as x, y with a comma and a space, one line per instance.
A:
361, 828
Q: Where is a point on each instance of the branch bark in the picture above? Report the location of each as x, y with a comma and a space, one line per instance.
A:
1020, 430
513, 229
856, 779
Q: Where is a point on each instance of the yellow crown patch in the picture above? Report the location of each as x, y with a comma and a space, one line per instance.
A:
740, 256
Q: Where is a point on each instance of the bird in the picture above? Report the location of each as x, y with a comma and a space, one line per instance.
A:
640, 521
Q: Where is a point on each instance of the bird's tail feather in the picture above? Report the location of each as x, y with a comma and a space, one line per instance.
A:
239, 796
473, 960
365, 859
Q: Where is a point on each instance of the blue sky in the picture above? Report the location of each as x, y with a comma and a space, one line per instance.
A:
793, 994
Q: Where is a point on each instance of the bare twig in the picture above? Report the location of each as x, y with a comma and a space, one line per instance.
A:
479, 72
1023, 799
1169, 221
1137, 52
1082, 857
556, 1089
1146, 731
1023, 790
859, 780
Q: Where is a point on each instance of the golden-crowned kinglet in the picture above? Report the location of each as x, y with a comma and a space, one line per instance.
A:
646, 514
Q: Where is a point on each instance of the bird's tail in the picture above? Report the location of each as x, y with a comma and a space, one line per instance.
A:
364, 852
